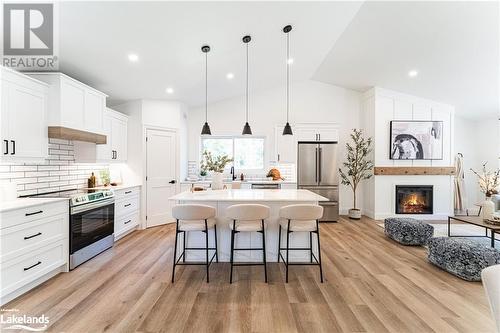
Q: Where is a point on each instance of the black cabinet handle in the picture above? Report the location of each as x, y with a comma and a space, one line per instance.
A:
30, 267
13, 147
34, 213
116, 155
6, 147
128, 221
28, 237
127, 205
128, 192
172, 182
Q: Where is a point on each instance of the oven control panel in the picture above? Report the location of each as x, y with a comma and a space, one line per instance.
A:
91, 197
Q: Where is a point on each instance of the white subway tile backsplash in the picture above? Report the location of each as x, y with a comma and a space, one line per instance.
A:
58, 172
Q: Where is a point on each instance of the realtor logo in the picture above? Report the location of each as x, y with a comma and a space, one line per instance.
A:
28, 36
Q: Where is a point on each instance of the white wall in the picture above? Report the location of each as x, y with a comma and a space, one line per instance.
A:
380, 106
478, 140
311, 102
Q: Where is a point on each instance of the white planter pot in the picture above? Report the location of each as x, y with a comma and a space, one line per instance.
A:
487, 209
355, 214
217, 181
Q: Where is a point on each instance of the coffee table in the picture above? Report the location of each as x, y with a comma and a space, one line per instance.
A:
475, 220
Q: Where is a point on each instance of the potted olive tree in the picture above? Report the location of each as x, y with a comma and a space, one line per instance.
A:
358, 166
216, 165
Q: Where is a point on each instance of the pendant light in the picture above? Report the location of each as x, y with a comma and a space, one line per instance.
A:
206, 128
246, 129
288, 129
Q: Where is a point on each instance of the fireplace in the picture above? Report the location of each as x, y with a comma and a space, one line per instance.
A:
414, 199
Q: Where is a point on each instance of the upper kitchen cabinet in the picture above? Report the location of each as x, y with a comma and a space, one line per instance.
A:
285, 146
73, 104
115, 126
317, 132
23, 117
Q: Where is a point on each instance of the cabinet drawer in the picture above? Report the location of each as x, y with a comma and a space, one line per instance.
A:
26, 237
127, 193
126, 206
28, 214
23, 270
126, 223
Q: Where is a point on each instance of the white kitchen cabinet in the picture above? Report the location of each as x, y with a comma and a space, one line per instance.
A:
23, 117
285, 146
317, 132
34, 246
115, 128
73, 104
127, 211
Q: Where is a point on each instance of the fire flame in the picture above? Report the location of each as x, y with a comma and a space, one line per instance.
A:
413, 203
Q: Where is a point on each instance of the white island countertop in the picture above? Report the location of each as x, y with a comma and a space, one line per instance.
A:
286, 195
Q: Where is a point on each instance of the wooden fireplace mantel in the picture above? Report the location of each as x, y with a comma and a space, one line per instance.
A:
414, 171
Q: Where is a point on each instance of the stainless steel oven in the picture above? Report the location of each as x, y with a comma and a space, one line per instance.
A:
91, 229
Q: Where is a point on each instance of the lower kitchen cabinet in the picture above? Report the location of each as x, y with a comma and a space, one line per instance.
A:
127, 211
34, 246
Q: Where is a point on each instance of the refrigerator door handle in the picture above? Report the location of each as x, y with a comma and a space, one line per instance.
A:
316, 167
319, 164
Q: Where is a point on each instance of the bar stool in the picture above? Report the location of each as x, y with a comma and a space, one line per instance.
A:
247, 218
194, 218
300, 218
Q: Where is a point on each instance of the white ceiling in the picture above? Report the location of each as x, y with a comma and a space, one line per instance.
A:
96, 37
453, 45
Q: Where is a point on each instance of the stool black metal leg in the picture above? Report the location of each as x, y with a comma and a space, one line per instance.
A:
279, 241
264, 250
319, 252
311, 246
215, 237
175, 249
184, 233
232, 252
287, 248
206, 243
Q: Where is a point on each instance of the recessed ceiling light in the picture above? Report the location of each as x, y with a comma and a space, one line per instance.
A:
169, 91
229, 76
412, 73
290, 61
133, 57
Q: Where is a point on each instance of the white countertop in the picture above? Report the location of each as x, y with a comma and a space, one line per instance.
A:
20, 203
250, 181
249, 195
117, 187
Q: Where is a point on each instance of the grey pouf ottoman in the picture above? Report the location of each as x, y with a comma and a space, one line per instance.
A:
408, 231
463, 257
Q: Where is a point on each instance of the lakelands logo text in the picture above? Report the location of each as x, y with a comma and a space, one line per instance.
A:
28, 36
14, 321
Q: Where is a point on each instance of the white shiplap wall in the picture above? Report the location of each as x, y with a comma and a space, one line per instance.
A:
58, 172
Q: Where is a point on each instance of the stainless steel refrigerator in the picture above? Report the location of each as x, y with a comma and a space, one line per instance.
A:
317, 171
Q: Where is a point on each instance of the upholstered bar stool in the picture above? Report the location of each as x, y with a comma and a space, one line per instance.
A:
247, 218
194, 218
300, 218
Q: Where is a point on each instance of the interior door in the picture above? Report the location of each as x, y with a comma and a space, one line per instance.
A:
307, 164
161, 179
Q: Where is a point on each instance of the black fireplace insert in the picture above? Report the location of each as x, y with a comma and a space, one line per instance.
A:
414, 199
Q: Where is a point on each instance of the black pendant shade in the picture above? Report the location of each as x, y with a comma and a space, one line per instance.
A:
206, 128
288, 129
246, 129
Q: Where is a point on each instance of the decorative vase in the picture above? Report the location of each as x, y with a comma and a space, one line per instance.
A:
487, 209
355, 214
217, 181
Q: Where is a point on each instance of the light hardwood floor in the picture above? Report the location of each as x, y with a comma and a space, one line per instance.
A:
371, 285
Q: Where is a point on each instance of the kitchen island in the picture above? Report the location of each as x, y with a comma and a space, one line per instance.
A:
221, 199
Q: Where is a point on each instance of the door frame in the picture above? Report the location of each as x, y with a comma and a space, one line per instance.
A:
144, 194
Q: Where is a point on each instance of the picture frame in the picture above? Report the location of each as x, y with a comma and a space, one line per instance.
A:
416, 140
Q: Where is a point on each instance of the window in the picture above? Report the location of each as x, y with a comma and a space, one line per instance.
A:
248, 153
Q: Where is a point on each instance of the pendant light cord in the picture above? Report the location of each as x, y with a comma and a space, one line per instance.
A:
287, 75
247, 87
206, 86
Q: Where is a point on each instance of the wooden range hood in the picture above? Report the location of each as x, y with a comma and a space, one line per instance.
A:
65, 133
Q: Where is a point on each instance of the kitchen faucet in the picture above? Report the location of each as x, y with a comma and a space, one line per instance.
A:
233, 176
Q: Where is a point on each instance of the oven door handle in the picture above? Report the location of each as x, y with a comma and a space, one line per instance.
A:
90, 206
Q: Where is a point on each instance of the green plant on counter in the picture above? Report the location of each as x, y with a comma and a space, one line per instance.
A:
104, 175
215, 164
203, 172
358, 166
